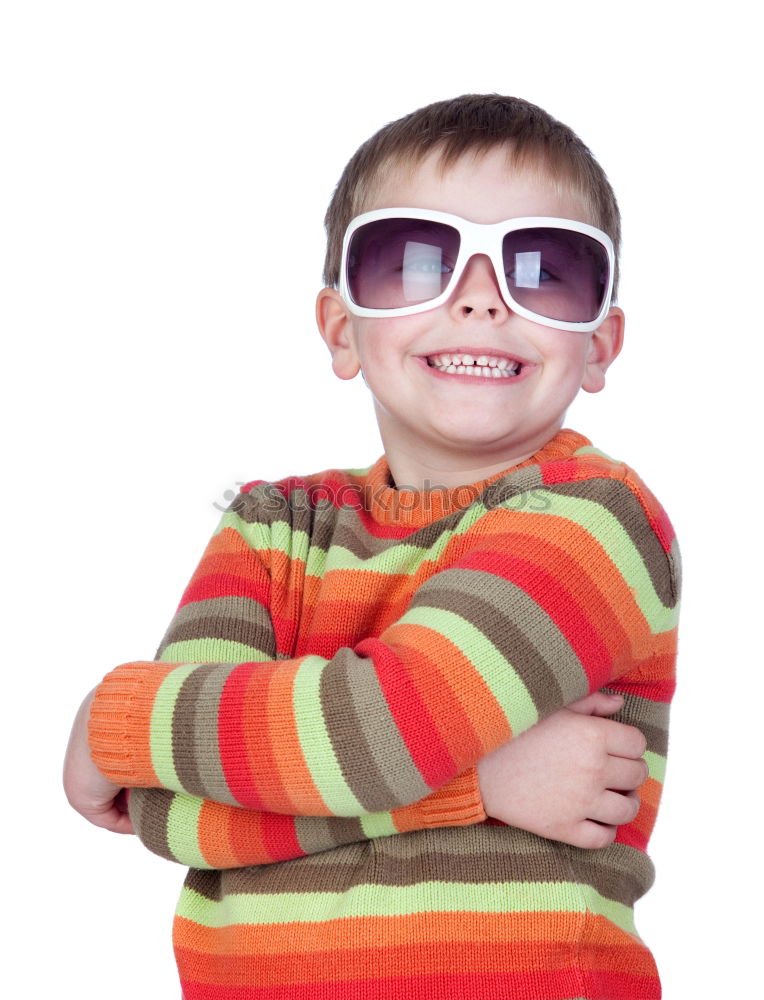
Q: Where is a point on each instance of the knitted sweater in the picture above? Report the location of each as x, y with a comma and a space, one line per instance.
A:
342, 657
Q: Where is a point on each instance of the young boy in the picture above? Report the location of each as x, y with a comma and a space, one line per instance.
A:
359, 652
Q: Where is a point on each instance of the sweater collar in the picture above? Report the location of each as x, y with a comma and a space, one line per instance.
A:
416, 508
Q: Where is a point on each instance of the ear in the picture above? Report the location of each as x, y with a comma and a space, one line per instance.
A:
335, 323
604, 347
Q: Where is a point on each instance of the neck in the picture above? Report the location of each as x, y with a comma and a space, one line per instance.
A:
413, 471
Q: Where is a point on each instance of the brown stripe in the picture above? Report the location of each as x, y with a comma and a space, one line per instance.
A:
326, 525
515, 491
378, 768
208, 884
464, 856
650, 717
320, 833
616, 872
194, 721
523, 632
351, 534
235, 619
619, 499
183, 725
149, 811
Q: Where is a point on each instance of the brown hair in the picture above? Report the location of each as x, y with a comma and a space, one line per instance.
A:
472, 123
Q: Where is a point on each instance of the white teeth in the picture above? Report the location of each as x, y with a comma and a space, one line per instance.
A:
485, 365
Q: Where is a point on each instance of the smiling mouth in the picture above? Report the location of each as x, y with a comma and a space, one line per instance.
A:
483, 365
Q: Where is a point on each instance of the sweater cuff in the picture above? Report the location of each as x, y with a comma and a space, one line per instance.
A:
120, 723
457, 803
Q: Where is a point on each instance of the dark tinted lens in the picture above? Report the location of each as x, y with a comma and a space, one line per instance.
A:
400, 262
557, 273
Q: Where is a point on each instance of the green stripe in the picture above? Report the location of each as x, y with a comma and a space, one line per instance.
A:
597, 521
315, 564
378, 825
499, 675
405, 559
294, 544
315, 742
591, 450
182, 827
400, 901
161, 727
656, 765
278, 535
212, 650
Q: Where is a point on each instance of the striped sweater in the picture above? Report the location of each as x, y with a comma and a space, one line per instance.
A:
342, 657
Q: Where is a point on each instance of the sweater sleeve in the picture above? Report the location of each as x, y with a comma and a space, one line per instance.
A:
204, 834
535, 609
198, 832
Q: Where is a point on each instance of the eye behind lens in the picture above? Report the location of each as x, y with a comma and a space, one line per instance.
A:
392, 263
558, 274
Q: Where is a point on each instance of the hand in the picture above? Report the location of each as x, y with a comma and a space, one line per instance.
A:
572, 777
96, 798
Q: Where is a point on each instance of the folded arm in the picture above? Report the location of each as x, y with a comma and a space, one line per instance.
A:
539, 610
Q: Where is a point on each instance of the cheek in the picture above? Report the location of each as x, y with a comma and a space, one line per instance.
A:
388, 342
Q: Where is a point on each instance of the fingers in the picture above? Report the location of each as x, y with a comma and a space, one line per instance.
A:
617, 808
622, 774
593, 836
113, 820
598, 703
624, 741
107, 815
613, 810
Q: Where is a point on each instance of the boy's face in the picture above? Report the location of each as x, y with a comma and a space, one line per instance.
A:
456, 428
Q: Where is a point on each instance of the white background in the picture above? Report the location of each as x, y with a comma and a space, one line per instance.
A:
165, 170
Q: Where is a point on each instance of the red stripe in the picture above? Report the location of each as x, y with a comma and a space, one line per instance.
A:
233, 736
557, 602
411, 714
226, 585
629, 835
564, 471
280, 838
554, 985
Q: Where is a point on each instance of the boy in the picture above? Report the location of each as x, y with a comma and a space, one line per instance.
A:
358, 652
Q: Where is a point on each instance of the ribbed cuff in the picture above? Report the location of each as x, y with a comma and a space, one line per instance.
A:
458, 803
120, 723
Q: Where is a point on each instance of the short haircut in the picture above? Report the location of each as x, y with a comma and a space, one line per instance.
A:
473, 123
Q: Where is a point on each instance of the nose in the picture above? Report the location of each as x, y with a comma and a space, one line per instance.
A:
477, 293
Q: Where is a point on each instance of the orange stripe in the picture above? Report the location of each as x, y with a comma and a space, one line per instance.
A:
453, 690
610, 605
226, 544
230, 837
300, 795
259, 748
352, 958
418, 929
576, 557
111, 714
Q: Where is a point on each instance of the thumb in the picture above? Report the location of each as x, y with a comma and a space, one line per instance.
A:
597, 703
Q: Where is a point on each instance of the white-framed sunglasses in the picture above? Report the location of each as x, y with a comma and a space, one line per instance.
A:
401, 261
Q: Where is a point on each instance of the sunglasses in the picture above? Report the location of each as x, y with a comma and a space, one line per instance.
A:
401, 261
